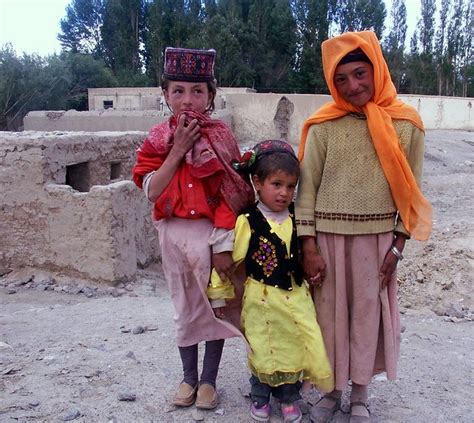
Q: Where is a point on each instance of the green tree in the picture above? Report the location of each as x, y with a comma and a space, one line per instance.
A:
210, 8
229, 32
80, 29
170, 23
423, 71
395, 42
455, 44
272, 25
466, 63
313, 19
30, 82
122, 35
412, 64
154, 39
443, 66
229, 36
359, 15
83, 72
426, 26
13, 94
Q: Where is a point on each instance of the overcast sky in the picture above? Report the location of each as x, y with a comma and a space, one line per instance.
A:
32, 26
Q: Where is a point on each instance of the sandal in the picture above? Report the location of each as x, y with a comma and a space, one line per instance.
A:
321, 414
362, 412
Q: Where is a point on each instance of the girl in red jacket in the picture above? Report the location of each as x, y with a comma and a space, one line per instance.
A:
184, 168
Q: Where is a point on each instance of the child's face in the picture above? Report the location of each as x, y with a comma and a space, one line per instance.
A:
276, 191
181, 96
355, 82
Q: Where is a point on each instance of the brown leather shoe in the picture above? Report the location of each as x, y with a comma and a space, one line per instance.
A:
185, 396
207, 398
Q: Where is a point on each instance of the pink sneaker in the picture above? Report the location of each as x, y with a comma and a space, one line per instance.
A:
261, 414
291, 413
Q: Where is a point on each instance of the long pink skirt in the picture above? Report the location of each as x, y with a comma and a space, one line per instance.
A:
186, 260
360, 322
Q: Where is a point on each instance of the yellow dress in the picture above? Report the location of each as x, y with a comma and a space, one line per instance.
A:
280, 325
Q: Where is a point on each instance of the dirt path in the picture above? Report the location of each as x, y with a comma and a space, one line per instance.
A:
66, 355
69, 352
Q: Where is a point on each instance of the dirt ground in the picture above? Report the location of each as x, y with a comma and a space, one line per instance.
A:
71, 351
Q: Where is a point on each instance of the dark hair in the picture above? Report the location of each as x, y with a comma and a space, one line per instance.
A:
211, 86
356, 55
271, 162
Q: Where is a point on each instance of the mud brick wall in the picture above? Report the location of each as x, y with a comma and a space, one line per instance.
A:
67, 204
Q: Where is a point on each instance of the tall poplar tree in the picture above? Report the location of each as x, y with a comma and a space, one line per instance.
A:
395, 42
227, 31
81, 27
466, 58
359, 15
412, 65
122, 35
455, 45
426, 74
313, 19
170, 23
273, 27
154, 40
443, 66
426, 26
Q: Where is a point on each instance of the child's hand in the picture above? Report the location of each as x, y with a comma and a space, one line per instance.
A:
219, 312
387, 271
313, 263
223, 264
186, 135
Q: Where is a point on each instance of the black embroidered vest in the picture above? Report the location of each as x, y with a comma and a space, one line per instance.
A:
267, 259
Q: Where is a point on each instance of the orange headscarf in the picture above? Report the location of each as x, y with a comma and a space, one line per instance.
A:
413, 207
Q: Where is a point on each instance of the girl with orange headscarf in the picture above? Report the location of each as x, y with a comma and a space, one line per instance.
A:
358, 200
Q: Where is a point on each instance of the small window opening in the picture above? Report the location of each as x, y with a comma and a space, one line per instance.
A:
108, 104
115, 171
78, 177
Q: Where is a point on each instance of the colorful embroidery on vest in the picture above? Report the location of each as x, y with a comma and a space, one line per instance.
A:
265, 256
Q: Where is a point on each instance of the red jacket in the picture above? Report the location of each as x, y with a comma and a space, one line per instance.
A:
210, 189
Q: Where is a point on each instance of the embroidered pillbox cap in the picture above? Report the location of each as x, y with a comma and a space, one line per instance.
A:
263, 148
191, 65
273, 146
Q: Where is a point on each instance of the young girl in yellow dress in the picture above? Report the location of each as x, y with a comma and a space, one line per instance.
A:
278, 316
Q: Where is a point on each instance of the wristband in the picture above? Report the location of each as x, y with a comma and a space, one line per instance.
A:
396, 252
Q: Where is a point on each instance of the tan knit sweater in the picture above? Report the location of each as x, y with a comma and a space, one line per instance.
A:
342, 188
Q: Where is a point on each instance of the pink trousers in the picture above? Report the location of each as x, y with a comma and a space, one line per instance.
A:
360, 322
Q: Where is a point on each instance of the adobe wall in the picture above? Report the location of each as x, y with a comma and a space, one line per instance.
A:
125, 98
443, 112
140, 98
99, 231
265, 116
93, 120
68, 205
252, 116
262, 116
102, 120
